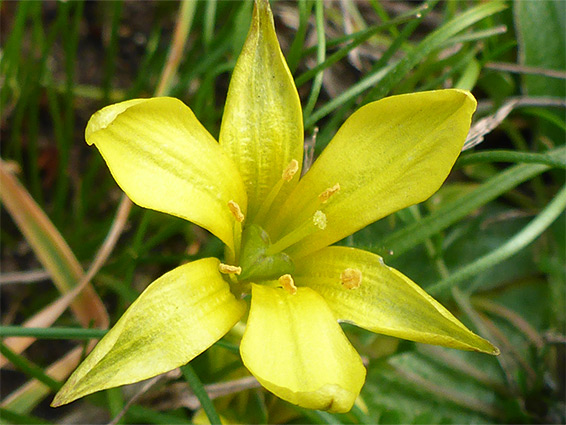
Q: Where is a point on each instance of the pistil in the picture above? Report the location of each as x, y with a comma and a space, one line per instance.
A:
239, 217
308, 228
286, 176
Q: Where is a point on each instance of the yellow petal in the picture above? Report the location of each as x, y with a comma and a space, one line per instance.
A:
388, 155
164, 159
295, 348
262, 126
385, 301
175, 319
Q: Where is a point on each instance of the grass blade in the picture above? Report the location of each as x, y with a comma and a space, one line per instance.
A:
512, 246
50, 248
410, 236
29, 368
25, 398
199, 390
552, 160
391, 75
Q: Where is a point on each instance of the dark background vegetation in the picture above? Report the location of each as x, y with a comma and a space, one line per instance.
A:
490, 245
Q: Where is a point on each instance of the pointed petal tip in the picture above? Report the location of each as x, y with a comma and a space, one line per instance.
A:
262, 5
58, 402
480, 345
262, 124
491, 349
474, 343
261, 14
63, 397
175, 319
386, 302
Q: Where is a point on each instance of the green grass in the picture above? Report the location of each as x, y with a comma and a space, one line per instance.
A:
490, 244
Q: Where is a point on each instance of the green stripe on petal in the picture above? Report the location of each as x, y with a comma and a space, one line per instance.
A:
295, 348
164, 159
388, 155
386, 301
175, 319
262, 126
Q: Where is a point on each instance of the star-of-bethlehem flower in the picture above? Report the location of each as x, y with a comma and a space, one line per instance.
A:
246, 189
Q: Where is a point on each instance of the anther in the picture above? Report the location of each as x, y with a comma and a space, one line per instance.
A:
351, 278
228, 269
287, 282
325, 196
319, 219
290, 171
236, 211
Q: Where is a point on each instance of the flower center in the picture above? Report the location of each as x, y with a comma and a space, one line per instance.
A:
317, 222
256, 260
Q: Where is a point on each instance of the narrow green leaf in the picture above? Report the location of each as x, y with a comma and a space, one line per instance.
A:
390, 75
320, 56
318, 416
194, 382
356, 39
114, 9
514, 245
433, 41
478, 35
557, 160
8, 416
29, 368
52, 333
11, 53
401, 241
541, 28
209, 20
140, 414
294, 54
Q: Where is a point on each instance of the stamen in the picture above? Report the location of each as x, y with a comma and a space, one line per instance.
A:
286, 176
319, 219
236, 211
301, 232
228, 269
351, 278
325, 196
291, 170
287, 282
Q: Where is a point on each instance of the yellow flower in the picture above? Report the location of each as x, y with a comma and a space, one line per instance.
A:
277, 228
